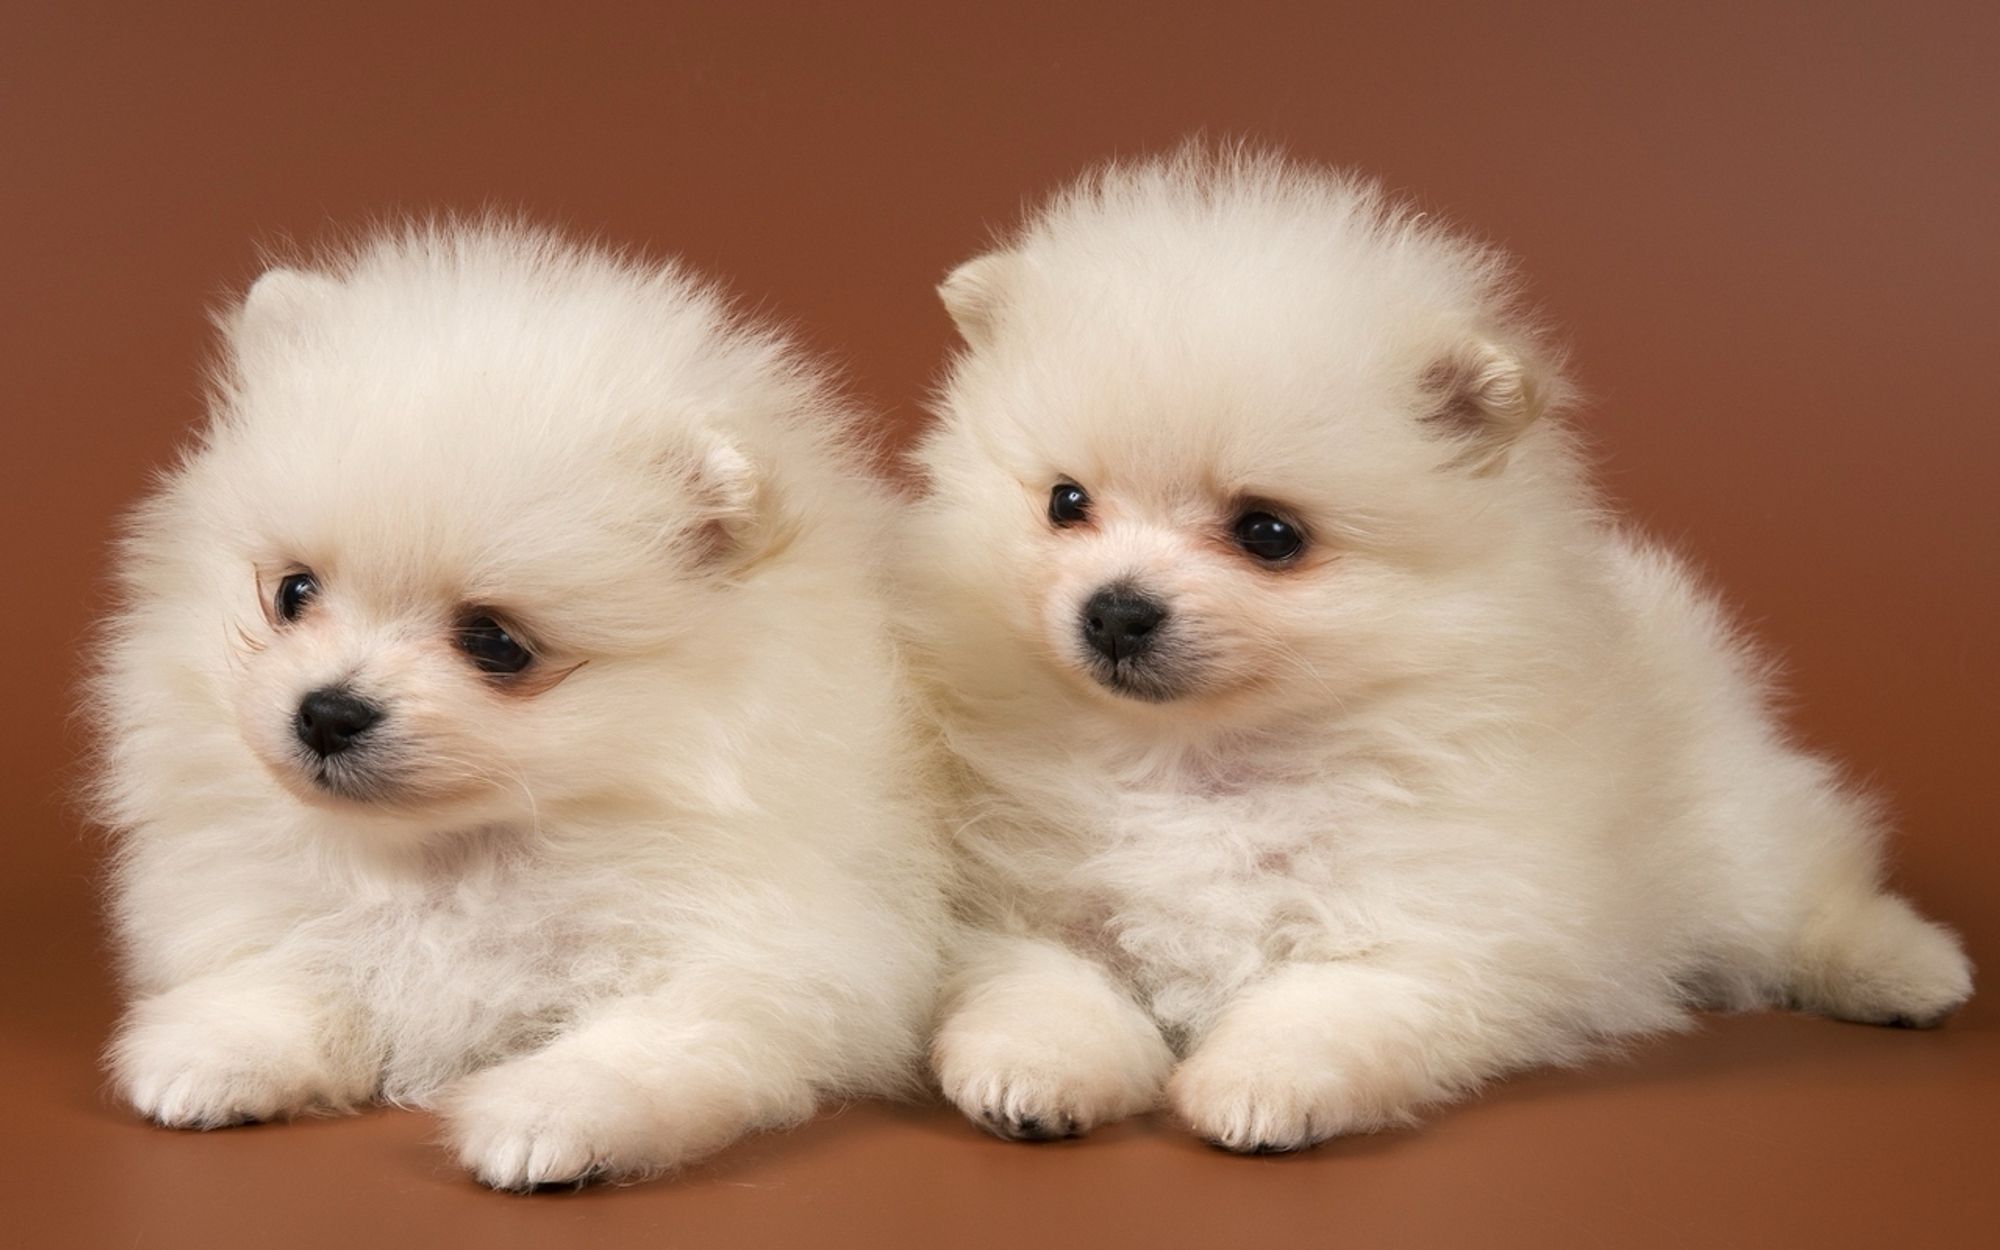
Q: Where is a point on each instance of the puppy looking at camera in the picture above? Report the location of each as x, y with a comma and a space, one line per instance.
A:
1325, 751
500, 717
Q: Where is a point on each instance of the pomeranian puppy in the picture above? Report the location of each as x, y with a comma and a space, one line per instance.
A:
501, 716
1326, 751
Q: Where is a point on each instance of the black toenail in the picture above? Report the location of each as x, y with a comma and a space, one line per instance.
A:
1032, 1128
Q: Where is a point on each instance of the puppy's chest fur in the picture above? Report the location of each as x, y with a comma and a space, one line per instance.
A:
459, 970
1189, 889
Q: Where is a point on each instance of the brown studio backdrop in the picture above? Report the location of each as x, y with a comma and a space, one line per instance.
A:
1768, 232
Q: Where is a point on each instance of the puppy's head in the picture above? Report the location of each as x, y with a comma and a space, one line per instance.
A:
470, 511
1229, 437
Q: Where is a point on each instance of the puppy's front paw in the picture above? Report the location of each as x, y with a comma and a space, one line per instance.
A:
187, 1063
539, 1121
1261, 1098
1035, 1080
1258, 1087
1879, 962
563, 1118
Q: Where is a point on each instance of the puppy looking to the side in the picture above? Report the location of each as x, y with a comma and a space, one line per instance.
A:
500, 716
1326, 751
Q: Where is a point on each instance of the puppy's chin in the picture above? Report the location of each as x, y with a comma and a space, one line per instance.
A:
1137, 682
339, 784
1193, 693
357, 788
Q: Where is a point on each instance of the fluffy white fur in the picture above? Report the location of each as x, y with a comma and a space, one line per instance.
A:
1477, 781
672, 882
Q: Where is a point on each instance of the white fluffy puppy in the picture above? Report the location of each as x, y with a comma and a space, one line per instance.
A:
1327, 751
500, 716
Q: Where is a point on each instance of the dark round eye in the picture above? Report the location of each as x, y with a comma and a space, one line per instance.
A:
1068, 504
491, 647
295, 591
1268, 537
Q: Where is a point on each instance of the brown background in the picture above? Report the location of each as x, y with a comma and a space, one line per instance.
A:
1773, 231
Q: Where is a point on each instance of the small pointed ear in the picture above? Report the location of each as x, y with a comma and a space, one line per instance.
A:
280, 300
723, 484
975, 292
1484, 396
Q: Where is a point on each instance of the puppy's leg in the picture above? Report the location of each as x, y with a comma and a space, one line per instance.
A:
1040, 1043
644, 1085
1868, 956
251, 1043
1847, 948
1318, 1050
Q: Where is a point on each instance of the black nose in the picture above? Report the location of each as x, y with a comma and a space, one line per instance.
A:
330, 719
1120, 622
